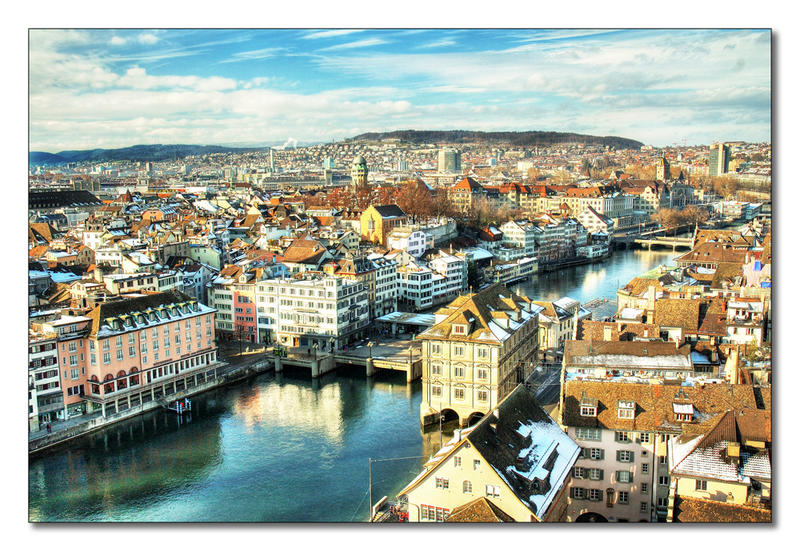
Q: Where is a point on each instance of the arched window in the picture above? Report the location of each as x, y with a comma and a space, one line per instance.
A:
134, 379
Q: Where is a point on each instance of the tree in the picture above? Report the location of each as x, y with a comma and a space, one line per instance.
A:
693, 215
415, 199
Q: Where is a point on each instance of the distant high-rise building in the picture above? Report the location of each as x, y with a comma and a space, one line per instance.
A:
718, 159
449, 161
662, 169
328, 163
359, 171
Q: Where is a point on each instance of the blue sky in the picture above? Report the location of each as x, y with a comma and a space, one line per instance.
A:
115, 88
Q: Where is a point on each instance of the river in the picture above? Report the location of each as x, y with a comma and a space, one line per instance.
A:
277, 448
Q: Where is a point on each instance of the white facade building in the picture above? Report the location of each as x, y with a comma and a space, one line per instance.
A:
322, 310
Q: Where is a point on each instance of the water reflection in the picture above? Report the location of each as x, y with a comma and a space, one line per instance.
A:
279, 447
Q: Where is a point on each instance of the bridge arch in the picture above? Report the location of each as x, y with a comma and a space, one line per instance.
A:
591, 517
474, 417
449, 415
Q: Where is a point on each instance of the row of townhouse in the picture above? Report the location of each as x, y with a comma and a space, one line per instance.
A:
630, 435
121, 354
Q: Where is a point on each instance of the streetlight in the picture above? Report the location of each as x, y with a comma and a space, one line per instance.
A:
370, 344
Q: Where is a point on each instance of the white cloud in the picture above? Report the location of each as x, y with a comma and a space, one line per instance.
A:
438, 44
357, 44
117, 41
262, 53
147, 38
331, 33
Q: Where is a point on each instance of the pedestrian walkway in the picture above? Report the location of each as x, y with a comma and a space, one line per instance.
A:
63, 426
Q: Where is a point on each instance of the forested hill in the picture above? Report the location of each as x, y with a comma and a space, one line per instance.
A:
151, 153
531, 138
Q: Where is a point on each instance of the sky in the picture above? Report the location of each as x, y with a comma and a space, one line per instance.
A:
106, 88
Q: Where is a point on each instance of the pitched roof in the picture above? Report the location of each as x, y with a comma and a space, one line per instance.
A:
633, 354
653, 404
479, 510
304, 251
480, 312
388, 211
710, 251
681, 313
527, 449
690, 509
591, 330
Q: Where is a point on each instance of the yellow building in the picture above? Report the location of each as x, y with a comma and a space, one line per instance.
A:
480, 347
377, 222
724, 475
517, 439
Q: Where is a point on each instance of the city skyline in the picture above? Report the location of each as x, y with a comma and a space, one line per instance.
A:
116, 88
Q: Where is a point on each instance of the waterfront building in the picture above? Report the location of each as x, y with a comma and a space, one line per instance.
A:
45, 398
479, 348
625, 432
516, 458
312, 309
520, 234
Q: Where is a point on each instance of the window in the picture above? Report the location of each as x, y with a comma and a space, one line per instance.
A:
662, 459
467, 487
436, 390
624, 476
492, 491
579, 472
643, 507
74, 373
483, 396
458, 393
476, 464
645, 487
645, 468
119, 355
436, 370
73, 346
483, 374
106, 358
458, 350
458, 371
644, 437
701, 485
623, 498
483, 353
456, 461
622, 437
595, 494
625, 409
118, 341
624, 456
596, 453
436, 349
663, 481
595, 474
578, 493
587, 433
131, 351
105, 345
588, 411
663, 501
443, 483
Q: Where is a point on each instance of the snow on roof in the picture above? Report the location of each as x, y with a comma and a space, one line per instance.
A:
64, 277
631, 313
499, 333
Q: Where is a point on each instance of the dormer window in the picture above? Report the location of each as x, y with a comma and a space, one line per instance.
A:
460, 329
588, 411
683, 412
625, 409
